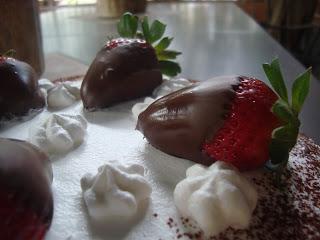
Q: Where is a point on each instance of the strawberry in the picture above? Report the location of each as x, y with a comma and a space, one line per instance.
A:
239, 120
131, 66
19, 92
26, 202
17, 221
244, 138
123, 69
226, 118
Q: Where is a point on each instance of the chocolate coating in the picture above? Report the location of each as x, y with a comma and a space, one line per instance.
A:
179, 123
26, 175
120, 73
19, 91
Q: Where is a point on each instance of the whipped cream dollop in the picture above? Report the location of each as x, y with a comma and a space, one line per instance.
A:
59, 133
167, 86
45, 84
115, 192
60, 95
63, 95
216, 197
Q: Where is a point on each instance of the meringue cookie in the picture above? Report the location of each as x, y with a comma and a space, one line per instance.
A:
115, 192
63, 95
59, 133
167, 86
45, 84
216, 197
140, 107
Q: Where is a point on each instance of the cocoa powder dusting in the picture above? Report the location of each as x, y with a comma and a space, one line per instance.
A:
292, 212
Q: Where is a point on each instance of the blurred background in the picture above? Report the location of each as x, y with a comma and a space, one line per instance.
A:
79, 27
293, 23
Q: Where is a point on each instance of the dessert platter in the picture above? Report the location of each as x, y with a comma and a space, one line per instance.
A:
129, 151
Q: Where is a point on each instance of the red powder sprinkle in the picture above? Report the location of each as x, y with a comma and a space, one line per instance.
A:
291, 213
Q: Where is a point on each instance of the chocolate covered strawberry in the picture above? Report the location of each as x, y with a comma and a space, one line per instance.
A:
26, 202
129, 67
232, 119
225, 118
19, 91
124, 69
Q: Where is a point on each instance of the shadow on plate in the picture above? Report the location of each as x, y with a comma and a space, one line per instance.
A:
166, 168
118, 117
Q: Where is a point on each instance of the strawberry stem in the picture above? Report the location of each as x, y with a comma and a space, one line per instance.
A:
9, 53
285, 137
153, 34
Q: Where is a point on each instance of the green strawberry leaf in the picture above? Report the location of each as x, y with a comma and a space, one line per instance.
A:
286, 134
280, 153
274, 75
139, 35
282, 110
169, 68
168, 54
300, 90
128, 25
283, 140
146, 29
285, 137
163, 44
157, 30
10, 53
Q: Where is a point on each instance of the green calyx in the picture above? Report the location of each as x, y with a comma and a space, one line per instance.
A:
9, 54
153, 34
285, 137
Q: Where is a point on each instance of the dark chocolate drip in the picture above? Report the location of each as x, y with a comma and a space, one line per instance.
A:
19, 91
26, 175
182, 121
122, 73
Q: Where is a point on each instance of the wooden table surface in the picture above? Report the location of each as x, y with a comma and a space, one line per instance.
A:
215, 38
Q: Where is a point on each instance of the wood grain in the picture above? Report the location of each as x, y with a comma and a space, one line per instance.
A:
20, 30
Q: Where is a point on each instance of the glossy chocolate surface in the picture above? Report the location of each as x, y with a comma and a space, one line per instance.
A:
26, 175
120, 73
19, 91
179, 123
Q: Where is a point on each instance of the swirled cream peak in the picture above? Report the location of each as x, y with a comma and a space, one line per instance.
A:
216, 197
59, 133
45, 84
115, 192
60, 95
63, 95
